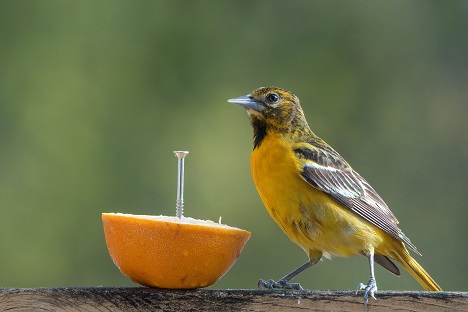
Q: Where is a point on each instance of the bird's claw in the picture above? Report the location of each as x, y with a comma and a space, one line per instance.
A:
369, 290
281, 284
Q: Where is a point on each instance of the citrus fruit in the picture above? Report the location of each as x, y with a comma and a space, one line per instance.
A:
168, 252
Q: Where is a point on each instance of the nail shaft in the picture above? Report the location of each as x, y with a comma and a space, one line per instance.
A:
180, 182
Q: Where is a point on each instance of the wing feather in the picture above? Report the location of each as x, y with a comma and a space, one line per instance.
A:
326, 170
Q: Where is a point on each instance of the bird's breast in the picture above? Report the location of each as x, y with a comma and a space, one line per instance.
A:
285, 194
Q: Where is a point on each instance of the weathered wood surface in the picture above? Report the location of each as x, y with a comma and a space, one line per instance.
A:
147, 299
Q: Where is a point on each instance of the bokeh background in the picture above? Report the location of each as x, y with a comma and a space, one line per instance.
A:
95, 96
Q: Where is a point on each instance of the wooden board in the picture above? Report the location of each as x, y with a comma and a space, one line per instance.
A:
148, 299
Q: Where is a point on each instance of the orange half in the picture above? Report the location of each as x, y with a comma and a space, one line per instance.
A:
167, 252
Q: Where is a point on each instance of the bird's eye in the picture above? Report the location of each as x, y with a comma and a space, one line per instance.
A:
273, 98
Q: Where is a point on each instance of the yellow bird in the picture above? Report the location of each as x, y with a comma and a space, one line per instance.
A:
316, 198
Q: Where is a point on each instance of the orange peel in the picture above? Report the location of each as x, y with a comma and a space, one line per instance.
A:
168, 252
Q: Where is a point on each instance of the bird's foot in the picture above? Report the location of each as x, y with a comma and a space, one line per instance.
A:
281, 284
369, 289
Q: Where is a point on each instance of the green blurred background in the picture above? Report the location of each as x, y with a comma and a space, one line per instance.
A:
95, 96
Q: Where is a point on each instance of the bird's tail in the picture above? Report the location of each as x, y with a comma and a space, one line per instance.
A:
402, 256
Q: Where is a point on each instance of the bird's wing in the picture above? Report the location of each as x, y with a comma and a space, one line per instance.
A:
326, 170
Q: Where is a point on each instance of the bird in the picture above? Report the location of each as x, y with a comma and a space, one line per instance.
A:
319, 201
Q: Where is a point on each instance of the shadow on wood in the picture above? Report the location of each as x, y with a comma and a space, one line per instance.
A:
148, 299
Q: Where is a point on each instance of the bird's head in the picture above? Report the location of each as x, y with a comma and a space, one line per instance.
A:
274, 108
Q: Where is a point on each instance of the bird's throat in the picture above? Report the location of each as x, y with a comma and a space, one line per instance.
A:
259, 131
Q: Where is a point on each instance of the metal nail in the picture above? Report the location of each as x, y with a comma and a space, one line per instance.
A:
180, 182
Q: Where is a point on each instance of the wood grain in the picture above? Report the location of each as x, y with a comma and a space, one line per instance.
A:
148, 299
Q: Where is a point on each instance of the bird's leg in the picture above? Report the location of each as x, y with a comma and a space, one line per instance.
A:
371, 286
283, 283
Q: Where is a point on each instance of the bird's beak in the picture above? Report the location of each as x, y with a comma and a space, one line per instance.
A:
246, 101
